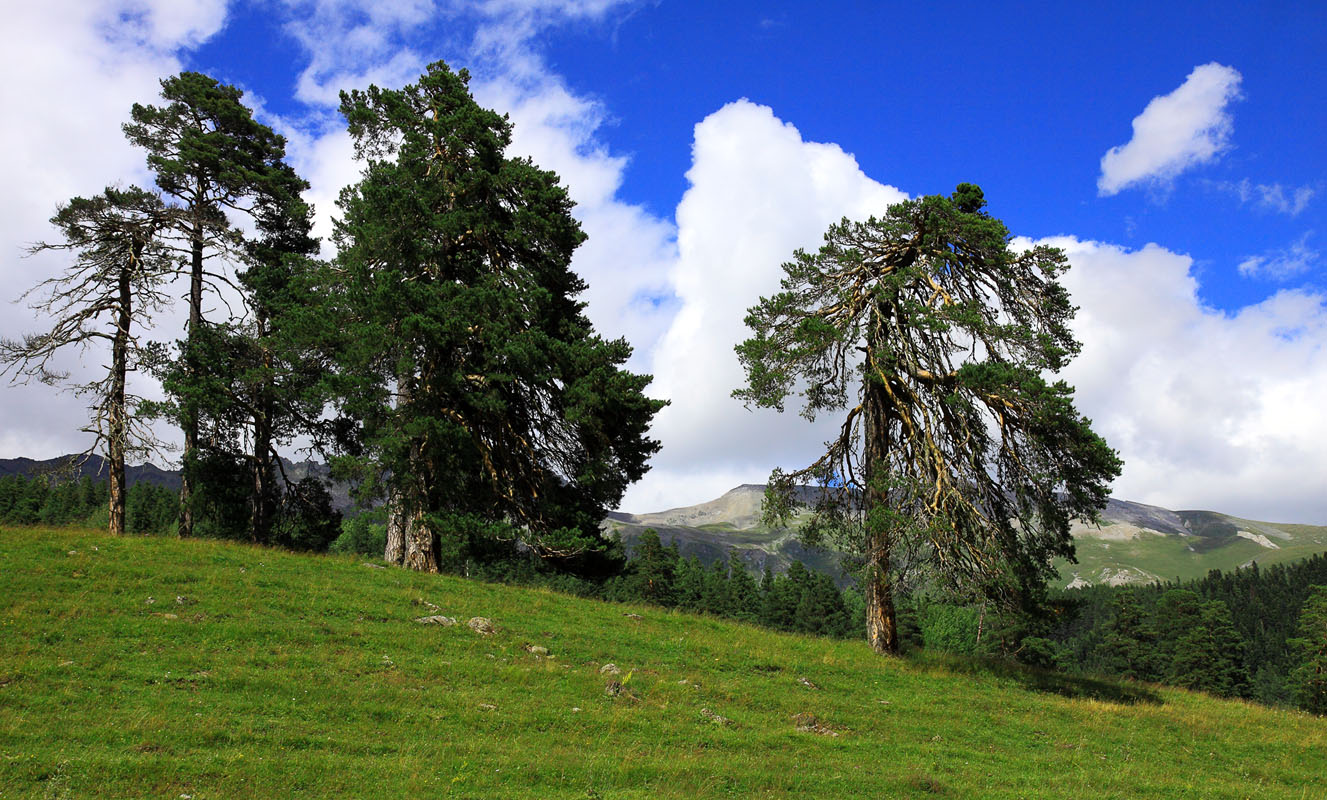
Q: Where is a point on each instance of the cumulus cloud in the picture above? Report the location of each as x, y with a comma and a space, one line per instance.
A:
1208, 409
757, 192
163, 25
1176, 131
351, 44
1281, 263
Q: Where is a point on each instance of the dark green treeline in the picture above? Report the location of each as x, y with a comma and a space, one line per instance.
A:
1229, 633
47, 501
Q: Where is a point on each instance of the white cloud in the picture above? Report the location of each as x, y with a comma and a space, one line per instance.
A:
164, 25
82, 66
1187, 127
353, 43
1281, 263
1270, 196
758, 192
1207, 409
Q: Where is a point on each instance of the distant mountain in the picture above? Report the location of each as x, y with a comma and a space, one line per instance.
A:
1138, 543
1135, 543
92, 466
729, 527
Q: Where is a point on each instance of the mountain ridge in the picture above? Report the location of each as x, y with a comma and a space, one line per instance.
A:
1134, 542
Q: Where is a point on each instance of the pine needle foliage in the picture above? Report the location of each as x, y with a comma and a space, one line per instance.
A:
487, 402
958, 460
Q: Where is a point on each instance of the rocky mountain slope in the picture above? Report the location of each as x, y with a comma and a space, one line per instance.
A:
95, 467
1135, 543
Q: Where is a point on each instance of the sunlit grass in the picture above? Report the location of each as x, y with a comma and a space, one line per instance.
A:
280, 675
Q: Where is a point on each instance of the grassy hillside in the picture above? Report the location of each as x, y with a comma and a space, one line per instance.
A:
279, 675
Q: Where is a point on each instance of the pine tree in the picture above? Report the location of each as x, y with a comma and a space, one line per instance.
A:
1175, 613
1310, 674
278, 361
956, 456
690, 584
211, 158
1209, 655
779, 607
480, 389
744, 594
1130, 641
655, 570
820, 609
715, 597
112, 288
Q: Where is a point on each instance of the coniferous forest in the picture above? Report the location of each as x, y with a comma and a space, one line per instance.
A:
442, 364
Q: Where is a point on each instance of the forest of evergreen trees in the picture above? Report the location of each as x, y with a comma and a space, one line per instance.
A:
44, 501
1231, 633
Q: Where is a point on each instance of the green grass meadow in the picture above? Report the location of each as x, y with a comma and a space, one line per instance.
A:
281, 675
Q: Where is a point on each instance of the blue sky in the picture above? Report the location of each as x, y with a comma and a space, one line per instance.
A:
1023, 102
1176, 152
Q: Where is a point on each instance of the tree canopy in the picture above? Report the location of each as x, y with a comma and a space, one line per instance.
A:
957, 459
480, 388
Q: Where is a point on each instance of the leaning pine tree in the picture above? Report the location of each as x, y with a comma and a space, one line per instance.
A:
486, 406
957, 459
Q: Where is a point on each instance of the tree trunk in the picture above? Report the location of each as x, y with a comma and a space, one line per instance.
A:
188, 410
881, 621
981, 620
260, 505
408, 501
396, 528
420, 553
398, 517
116, 423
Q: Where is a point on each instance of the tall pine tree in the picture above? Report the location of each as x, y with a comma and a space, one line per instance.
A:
114, 284
211, 158
480, 386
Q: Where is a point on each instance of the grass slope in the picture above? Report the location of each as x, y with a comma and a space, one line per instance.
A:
281, 675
